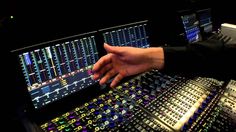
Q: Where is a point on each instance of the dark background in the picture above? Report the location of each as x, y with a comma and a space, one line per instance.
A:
35, 22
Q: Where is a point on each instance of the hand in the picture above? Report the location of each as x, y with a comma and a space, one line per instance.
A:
125, 61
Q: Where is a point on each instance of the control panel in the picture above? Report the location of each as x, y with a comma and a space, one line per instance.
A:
154, 101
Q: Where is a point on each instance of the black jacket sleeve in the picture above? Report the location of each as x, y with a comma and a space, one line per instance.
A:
212, 57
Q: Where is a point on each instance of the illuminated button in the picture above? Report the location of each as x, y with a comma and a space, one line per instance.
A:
117, 96
163, 85
109, 101
90, 122
99, 101
105, 107
104, 118
108, 111
96, 112
112, 125
77, 109
123, 101
120, 118
119, 87
113, 102
114, 117
131, 92
71, 116
158, 89
51, 128
152, 96
116, 106
55, 120
123, 112
61, 121
126, 91
99, 116
101, 105
128, 113
90, 106
96, 129
132, 96
145, 101
112, 112
45, 125
92, 110
67, 129
107, 97
79, 128
102, 127
131, 107
86, 104
84, 129
138, 88
106, 123
121, 108
138, 96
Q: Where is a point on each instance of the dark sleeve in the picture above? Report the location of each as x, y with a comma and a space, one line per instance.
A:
212, 57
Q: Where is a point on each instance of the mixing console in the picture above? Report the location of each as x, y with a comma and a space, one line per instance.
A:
155, 102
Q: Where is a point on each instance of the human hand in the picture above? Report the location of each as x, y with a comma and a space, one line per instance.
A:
126, 61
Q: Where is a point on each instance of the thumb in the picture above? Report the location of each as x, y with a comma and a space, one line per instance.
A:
112, 49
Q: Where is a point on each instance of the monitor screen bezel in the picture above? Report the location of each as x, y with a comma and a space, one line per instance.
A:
48, 111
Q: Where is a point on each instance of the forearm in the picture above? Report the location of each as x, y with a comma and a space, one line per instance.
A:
177, 58
156, 57
207, 57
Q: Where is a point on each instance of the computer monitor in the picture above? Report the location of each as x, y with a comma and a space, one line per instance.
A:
205, 20
191, 27
132, 34
55, 69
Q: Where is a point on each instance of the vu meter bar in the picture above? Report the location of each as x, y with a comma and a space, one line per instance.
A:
55, 71
133, 34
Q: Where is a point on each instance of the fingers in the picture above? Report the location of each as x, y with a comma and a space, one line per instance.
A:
113, 49
101, 63
102, 71
108, 76
116, 80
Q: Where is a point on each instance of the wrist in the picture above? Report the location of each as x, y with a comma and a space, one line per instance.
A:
156, 57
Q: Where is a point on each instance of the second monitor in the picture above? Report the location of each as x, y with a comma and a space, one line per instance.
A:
132, 34
191, 27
